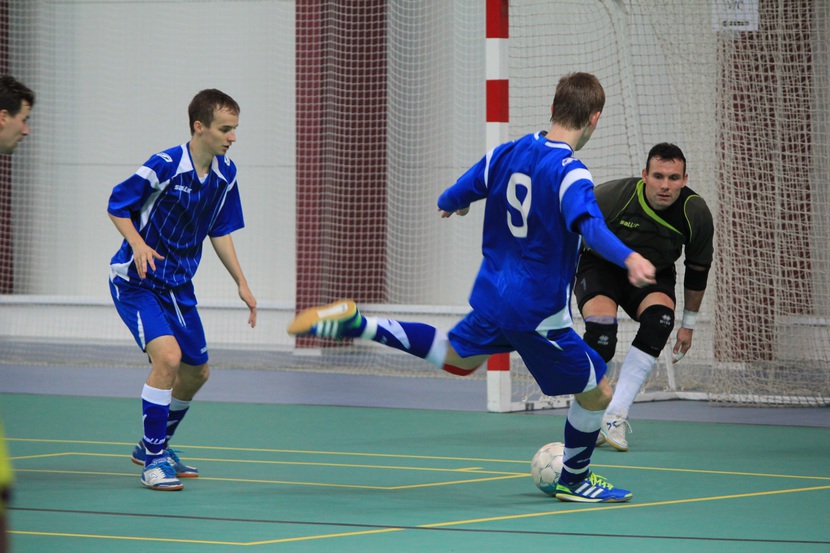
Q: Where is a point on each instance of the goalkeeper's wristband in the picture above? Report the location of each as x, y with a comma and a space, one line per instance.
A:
689, 319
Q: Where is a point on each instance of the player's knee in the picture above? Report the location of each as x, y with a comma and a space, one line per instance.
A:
601, 335
656, 325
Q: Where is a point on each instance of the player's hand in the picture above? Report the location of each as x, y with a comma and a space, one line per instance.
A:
460, 212
684, 342
249, 299
640, 270
144, 256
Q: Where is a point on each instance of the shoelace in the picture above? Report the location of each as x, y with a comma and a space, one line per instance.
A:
172, 454
597, 480
166, 467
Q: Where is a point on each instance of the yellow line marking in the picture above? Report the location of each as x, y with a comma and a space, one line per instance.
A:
382, 455
592, 509
290, 482
607, 506
290, 451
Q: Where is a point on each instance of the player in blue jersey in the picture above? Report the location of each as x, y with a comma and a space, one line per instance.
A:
165, 211
540, 204
16, 102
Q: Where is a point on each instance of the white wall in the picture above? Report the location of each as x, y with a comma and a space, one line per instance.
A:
113, 81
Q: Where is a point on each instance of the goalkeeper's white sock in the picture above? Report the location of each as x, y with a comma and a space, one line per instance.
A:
635, 370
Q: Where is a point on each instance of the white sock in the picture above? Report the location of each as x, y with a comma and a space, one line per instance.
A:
633, 374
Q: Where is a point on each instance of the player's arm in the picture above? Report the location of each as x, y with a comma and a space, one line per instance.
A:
694, 287
470, 187
143, 255
227, 255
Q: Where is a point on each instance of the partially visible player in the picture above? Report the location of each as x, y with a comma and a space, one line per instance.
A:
165, 211
16, 103
660, 217
540, 204
6, 480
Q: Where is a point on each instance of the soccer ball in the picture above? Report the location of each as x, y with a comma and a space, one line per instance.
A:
546, 467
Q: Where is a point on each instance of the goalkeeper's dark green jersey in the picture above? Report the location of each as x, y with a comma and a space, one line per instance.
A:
659, 236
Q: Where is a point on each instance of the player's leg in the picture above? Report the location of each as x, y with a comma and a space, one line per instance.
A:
192, 374
342, 319
656, 317
144, 316
598, 287
561, 364
156, 396
600, 316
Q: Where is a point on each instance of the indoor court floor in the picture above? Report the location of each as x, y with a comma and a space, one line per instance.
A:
305, 462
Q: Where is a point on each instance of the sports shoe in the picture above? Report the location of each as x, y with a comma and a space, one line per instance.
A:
614, 429
182, 470
594, 489
161, 475
326, 321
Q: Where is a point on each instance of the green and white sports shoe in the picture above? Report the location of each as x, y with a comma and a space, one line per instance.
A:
593, 489
326, 321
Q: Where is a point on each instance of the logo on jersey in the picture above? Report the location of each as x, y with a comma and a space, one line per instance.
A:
629, 224
165, 157
182, 188
567, 160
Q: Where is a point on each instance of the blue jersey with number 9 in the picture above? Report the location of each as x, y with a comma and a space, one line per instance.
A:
537, 193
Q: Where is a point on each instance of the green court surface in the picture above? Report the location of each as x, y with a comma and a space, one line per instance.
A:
294, 478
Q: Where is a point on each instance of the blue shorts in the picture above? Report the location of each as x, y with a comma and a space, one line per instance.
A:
561, 362
149, 315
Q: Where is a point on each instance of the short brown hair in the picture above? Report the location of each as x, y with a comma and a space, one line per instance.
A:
207, 101
667, 152
578, 96
13, 93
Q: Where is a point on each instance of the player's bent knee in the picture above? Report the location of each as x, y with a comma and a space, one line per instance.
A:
601, 335
656, 325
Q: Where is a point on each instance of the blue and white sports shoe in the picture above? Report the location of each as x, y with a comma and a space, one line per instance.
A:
161, 475
593, 489
182, 471
326, 321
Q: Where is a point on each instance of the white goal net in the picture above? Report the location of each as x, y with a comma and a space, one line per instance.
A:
356, 115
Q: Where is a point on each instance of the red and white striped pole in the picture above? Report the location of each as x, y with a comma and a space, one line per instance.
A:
499, 392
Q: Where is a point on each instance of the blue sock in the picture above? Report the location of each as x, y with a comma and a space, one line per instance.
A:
155, 406
414, 338
581, 431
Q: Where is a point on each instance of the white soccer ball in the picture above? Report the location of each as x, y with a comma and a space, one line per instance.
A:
546, 467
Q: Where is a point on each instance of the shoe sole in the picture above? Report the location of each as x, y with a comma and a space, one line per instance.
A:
178, 474
163, 488
302, 323
615, 445
580, 499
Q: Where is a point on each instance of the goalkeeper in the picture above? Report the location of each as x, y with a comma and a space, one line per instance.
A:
657, 216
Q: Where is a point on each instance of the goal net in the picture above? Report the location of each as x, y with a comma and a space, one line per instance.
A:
356, 115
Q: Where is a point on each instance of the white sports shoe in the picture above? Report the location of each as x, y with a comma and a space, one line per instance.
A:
613, 431
161, 475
